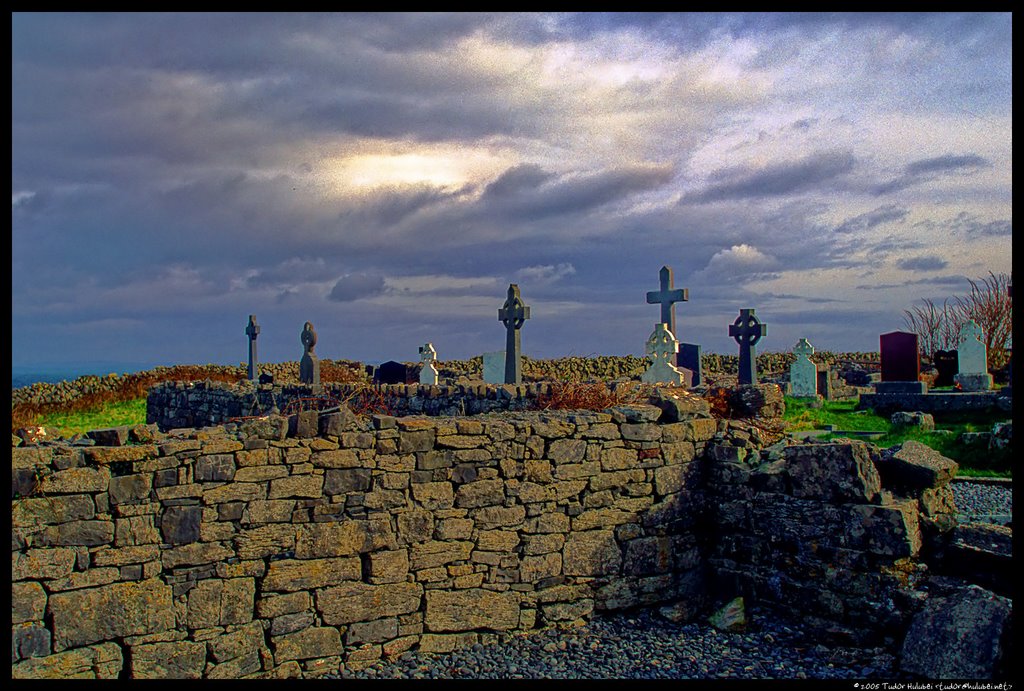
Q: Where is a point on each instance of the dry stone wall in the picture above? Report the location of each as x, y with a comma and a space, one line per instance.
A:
280, 550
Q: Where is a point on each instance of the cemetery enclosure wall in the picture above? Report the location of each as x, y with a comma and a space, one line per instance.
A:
282, 550
258, 553
200, 404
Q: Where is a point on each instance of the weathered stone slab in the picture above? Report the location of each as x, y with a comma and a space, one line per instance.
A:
915, 466
42, 563
288, 575
103, 661
959, 636
352, 602
335, 539
836, 473
466, 610
81, 617
220, 602
176, 660
321, 641
591, 553
76, 480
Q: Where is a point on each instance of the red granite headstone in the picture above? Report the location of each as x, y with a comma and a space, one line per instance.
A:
900, 358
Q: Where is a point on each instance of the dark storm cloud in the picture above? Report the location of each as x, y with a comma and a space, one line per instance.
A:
924, 263
926, 169
778, 179
875, 217
356, 286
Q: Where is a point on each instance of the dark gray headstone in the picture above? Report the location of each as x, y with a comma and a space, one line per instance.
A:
825, 384
391, 372
309, 366
513, 315
252, 331
947, 364
688, 357
900, 358
747, 330
667, 296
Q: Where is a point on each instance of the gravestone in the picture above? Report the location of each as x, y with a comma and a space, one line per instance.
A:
901, 364
825, 384
494, 367
947, 365
391, 372
309, 366
803, 374
667, 296
252, 331
662, 347
428, 372
689, 358
973, 358
513, 314
747, 330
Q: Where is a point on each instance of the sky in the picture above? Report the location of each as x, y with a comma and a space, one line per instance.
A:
387, 176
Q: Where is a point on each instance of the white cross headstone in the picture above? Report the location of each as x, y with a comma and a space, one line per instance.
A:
494, 367
803, 374
662, 347
973, 359
428, 356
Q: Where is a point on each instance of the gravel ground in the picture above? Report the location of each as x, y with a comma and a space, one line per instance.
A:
644, 645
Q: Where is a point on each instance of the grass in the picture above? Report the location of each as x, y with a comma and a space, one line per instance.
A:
111, 414
976, 460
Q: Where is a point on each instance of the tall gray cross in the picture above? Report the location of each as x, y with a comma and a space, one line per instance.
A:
513, 314
252, 331
667, 296
747, 330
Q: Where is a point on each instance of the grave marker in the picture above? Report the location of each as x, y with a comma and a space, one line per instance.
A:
662, 347
747, 330
689, 358
973, 356
803, 374
901, 364
391, 372
667, 296
309, 366
513, 314
947, 365
252, 331
428, 356
494, 367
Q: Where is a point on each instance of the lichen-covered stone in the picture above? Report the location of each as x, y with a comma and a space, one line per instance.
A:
839, 473
467, 610
177, 660
82, 617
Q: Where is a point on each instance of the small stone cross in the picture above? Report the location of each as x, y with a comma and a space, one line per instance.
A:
428, 373
667, 296
513, 314
252, 331
662, 347
803, 349
747, 330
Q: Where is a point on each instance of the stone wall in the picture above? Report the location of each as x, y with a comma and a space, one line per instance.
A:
288, 546
200, 404
277, 549
937, 403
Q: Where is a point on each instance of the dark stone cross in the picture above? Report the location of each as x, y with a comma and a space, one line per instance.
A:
747, 330
309, 366
667, 296
513, 314
252, 331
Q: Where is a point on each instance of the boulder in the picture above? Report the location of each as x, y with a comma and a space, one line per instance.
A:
913, 466
963, 635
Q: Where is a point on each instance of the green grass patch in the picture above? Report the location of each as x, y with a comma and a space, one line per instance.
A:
108, 415
975, 459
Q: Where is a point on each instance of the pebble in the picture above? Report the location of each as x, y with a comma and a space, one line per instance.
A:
986, 503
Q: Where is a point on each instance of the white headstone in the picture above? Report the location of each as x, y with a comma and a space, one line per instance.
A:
803, 374
494, 367
428, 373
973, 359
662, 347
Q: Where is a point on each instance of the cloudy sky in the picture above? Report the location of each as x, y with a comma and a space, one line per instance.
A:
386, 177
